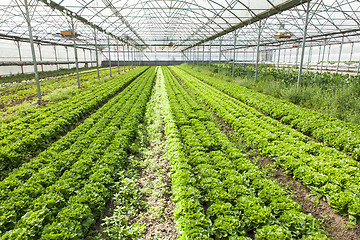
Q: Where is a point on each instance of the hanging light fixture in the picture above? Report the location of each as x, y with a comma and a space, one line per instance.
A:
68, 34
282, 34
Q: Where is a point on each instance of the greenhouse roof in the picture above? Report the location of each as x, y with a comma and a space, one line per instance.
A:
182, 24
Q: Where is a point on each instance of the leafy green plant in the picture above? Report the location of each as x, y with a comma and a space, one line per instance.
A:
325, 171
224, 193
80, 171
341, 135
21, 139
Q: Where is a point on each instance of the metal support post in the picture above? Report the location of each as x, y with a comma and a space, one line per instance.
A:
318, 60
274, 57
253, 56
290, 49
27, 15
132, 58
75, 51
128, 53
351, 51
109, 55
57, 66
297, 57
67, 56
118, 58
328, 57
258, 52
193, 55
322, 59
41, 59
96, 55
139, 58
91, 58
220, 55
155, 55
198, 55
303, 44
203, 55
338, 63
210, 56
358, 69
19, 50
84, 55
124, 56
246, 55
233, 63
278, 62
309, 59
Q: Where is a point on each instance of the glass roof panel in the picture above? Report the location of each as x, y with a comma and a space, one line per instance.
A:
182, 23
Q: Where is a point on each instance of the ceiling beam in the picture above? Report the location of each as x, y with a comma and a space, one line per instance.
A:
42, 42
266, 14
70, 13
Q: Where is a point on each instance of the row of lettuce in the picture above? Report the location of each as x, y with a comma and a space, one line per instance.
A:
17, 78
23, 78
26, 136
218, 192
63, 191
341, 135
13, 95
325, 80
325, 171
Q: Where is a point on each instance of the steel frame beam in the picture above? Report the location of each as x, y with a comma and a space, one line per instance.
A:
71, 14
280, 8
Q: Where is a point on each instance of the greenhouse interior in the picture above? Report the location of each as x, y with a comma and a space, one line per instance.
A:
180, 119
